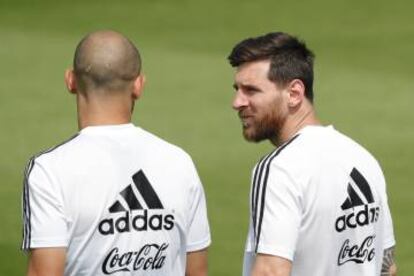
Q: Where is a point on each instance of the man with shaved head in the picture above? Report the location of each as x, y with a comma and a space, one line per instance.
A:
113, 199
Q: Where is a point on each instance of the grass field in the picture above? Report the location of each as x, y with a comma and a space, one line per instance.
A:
364, 86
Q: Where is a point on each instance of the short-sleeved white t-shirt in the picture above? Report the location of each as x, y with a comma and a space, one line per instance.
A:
121, 200
320, 201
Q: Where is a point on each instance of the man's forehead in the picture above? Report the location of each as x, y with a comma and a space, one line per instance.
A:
252, 71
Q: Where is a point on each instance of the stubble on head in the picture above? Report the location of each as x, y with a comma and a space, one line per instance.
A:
106, 61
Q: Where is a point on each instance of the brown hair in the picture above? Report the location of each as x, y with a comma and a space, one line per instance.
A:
289, 58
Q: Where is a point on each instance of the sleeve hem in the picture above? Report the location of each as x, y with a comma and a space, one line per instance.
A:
195, 246
389, 243
43, 243
276, 251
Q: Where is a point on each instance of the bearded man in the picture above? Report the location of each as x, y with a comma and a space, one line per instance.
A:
318, 202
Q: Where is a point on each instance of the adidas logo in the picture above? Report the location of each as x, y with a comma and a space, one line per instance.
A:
359, 194
137, 196
143, 188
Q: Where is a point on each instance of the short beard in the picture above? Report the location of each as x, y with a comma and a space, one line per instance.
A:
268, 128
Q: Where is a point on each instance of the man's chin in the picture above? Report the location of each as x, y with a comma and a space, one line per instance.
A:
251, 136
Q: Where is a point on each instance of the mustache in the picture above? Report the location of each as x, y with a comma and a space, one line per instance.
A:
245, 114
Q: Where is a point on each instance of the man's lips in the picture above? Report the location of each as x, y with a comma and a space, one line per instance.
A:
245, 119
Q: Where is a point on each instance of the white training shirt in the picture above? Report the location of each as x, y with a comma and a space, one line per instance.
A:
121, 200
320, 201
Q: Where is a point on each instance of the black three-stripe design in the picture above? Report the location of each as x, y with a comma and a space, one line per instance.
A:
27, 227
258, 192
144, 188
354, 198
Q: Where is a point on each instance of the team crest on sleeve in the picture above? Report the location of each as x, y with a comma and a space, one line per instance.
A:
358, 210
137, 208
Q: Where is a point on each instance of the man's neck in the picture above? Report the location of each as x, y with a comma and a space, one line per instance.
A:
294, 123
102, 112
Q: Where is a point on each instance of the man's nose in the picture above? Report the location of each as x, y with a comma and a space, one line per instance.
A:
239, 101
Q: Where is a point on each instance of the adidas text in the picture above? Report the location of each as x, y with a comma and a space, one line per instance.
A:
360, 218
140, 222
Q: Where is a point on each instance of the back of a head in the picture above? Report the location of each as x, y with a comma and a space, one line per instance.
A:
106, 62
289, 58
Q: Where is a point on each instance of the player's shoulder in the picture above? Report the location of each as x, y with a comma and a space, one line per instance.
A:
281, 158
342, 146
292, 151
310, 145
49, 153
319, 145
315, 139
47, 158
162, 146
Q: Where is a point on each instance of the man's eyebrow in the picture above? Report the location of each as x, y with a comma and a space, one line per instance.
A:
249, 87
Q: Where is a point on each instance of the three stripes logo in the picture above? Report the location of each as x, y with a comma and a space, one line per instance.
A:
140, 209
128, 194
359, 194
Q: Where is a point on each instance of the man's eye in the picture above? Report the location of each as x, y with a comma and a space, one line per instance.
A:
252, 90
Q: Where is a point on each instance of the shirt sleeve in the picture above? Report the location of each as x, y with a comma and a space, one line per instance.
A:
249, 254
278, 214
250, 246
44, 223
388, 238
198, 228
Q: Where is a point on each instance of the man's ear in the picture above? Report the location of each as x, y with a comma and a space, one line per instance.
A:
296, 89
138, 86
70, 81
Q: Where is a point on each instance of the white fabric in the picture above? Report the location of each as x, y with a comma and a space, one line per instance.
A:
306, 186
70, 189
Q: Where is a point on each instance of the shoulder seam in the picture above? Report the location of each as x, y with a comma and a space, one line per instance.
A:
55, 147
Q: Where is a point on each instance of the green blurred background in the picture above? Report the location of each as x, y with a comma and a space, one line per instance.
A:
364, 86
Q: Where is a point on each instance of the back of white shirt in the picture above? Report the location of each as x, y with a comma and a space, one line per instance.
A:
122, 201
320, 201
